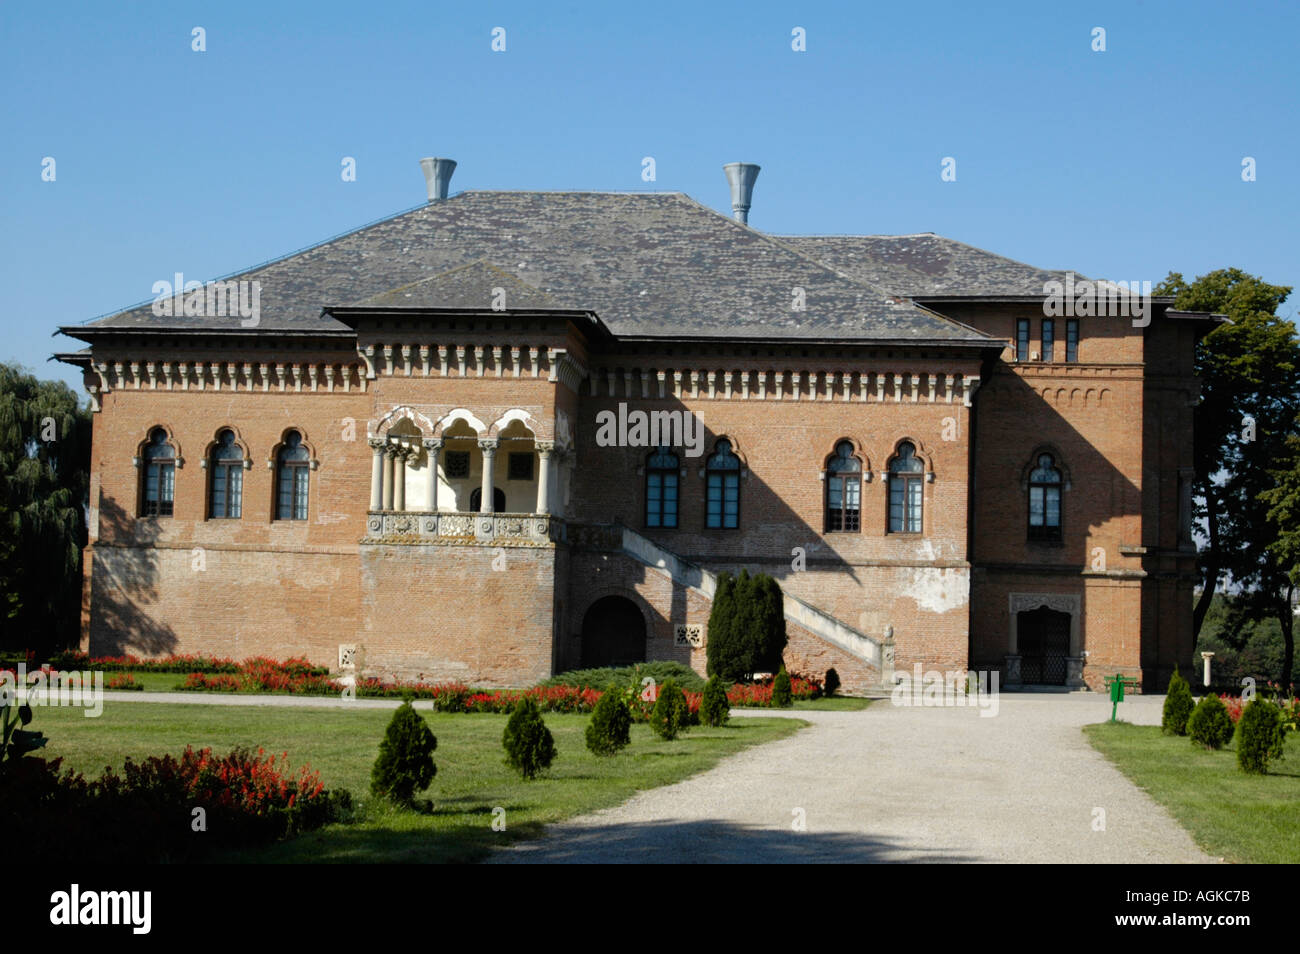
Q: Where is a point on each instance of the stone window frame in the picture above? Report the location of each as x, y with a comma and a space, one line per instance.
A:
209, 464
924, 476
709, 470
677, 472
1059, 464
275, 465
141, 462
863, 474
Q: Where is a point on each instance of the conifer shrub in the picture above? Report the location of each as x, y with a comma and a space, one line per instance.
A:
529, 745
1209, 724
746, 626
1260, 736
832, 683
782, 695
715, 710
1178, 706
405, 764
670, 715
611, 724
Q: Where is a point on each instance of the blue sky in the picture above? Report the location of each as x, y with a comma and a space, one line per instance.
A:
1121, 164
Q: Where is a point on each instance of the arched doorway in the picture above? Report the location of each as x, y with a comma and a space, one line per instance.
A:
498, 500
613, 633
1044, 642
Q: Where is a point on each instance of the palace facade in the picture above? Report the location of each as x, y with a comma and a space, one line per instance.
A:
400, 461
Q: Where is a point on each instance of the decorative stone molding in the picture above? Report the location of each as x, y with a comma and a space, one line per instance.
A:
351, 657
517, 529
1061, 602
689, 634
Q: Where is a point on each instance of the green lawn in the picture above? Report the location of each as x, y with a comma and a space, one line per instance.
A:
1239, 817
342, 745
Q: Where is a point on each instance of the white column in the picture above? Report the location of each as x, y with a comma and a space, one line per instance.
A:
377, 473
390, 452
488, 446
434, 446
544, 449
399, 479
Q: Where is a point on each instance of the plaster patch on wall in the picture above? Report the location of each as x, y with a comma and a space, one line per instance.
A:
939, 590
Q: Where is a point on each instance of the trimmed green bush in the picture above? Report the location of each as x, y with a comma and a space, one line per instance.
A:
610, 728
715, 710
405, 764
624, 676
670, 715
782, 695
1209, 724
832, 683
1178, 706
1259, 736
529, 745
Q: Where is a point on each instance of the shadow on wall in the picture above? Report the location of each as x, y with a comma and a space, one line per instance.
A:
717, 841
125, 582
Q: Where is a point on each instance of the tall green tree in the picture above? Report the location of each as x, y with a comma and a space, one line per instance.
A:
746, 626
1250, 397
44, 480
1283, 502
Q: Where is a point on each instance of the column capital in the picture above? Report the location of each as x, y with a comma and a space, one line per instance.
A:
544, 447
488, 443
432, 443
378, 443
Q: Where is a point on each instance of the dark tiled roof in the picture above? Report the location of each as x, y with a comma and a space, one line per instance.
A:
472, 286
917, 266
646, 263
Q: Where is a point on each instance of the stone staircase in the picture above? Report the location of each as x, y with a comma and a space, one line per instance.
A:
876, 654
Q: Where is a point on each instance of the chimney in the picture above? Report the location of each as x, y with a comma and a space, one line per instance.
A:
437, 176
741, 176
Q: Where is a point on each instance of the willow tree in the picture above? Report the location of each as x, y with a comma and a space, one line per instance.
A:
44, 479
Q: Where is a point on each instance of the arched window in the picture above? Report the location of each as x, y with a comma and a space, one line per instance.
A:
661, 489
906, 473
1045, 500
723, 488
291, 470
843, 490
226, 469
159, 475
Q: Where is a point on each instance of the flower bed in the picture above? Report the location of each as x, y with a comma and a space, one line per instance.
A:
1290, 708
760, 693
124, 681
146, 813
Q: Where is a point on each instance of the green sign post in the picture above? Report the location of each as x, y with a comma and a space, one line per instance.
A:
1116, 685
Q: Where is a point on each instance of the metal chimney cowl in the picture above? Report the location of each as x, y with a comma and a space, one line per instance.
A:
741, 176
437, 176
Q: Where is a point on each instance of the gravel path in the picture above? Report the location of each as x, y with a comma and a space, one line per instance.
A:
897, 784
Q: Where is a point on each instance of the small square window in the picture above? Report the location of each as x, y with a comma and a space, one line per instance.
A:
456, 464
521, 467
